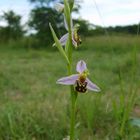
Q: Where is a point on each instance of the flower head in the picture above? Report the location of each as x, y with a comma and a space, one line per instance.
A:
80, 80
76, 40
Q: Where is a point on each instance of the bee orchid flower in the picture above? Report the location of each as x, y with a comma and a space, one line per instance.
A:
80, 81
76, 40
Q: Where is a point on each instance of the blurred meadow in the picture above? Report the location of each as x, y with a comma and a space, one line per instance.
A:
34, 107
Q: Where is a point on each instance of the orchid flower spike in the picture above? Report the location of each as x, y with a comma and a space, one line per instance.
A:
76, 40
80, 81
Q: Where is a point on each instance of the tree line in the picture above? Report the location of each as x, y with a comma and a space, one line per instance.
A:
40, 16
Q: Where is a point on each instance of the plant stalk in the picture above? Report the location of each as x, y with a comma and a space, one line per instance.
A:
73, 113
72, 91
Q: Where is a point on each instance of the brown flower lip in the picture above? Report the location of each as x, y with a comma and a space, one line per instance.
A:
81, 86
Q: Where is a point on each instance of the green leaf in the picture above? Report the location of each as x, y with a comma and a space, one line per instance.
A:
71, 3
135, 122
58, 44
67, 13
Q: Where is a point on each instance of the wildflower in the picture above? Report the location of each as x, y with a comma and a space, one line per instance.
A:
80, 81
76, 40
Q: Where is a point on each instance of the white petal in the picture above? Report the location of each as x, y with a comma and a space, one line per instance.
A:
69, 80
63, 39
92, 86
59, 7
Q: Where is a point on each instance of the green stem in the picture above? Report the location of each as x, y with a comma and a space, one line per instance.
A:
73, 92
73, 112
73, 108
73, 102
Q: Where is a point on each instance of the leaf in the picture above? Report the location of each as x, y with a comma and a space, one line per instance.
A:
67, 13
71, 2
135, 122
58, 44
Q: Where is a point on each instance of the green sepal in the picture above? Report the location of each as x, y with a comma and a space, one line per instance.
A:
67, 13
67, 47
58, 44
71, 3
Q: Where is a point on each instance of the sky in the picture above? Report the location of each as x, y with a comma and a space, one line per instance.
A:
98, 12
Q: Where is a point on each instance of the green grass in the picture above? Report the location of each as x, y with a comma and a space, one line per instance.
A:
34, 107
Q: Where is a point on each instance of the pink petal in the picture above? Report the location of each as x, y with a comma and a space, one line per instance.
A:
81, 66
92, 86
63, 39
69, 80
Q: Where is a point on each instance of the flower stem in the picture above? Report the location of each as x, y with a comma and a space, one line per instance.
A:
72, 91
73, 112
69, 49
73, 107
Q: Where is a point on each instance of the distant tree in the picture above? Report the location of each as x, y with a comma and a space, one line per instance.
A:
41, 15
13, 29
39, 21
129, 29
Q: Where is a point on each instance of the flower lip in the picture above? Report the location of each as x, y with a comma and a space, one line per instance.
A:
77, 38
81, 87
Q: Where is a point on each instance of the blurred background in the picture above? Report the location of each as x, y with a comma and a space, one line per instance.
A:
29, 19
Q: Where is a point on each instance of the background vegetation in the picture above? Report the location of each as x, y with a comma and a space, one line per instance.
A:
41, 15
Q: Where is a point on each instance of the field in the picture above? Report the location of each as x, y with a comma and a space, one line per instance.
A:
34, 107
